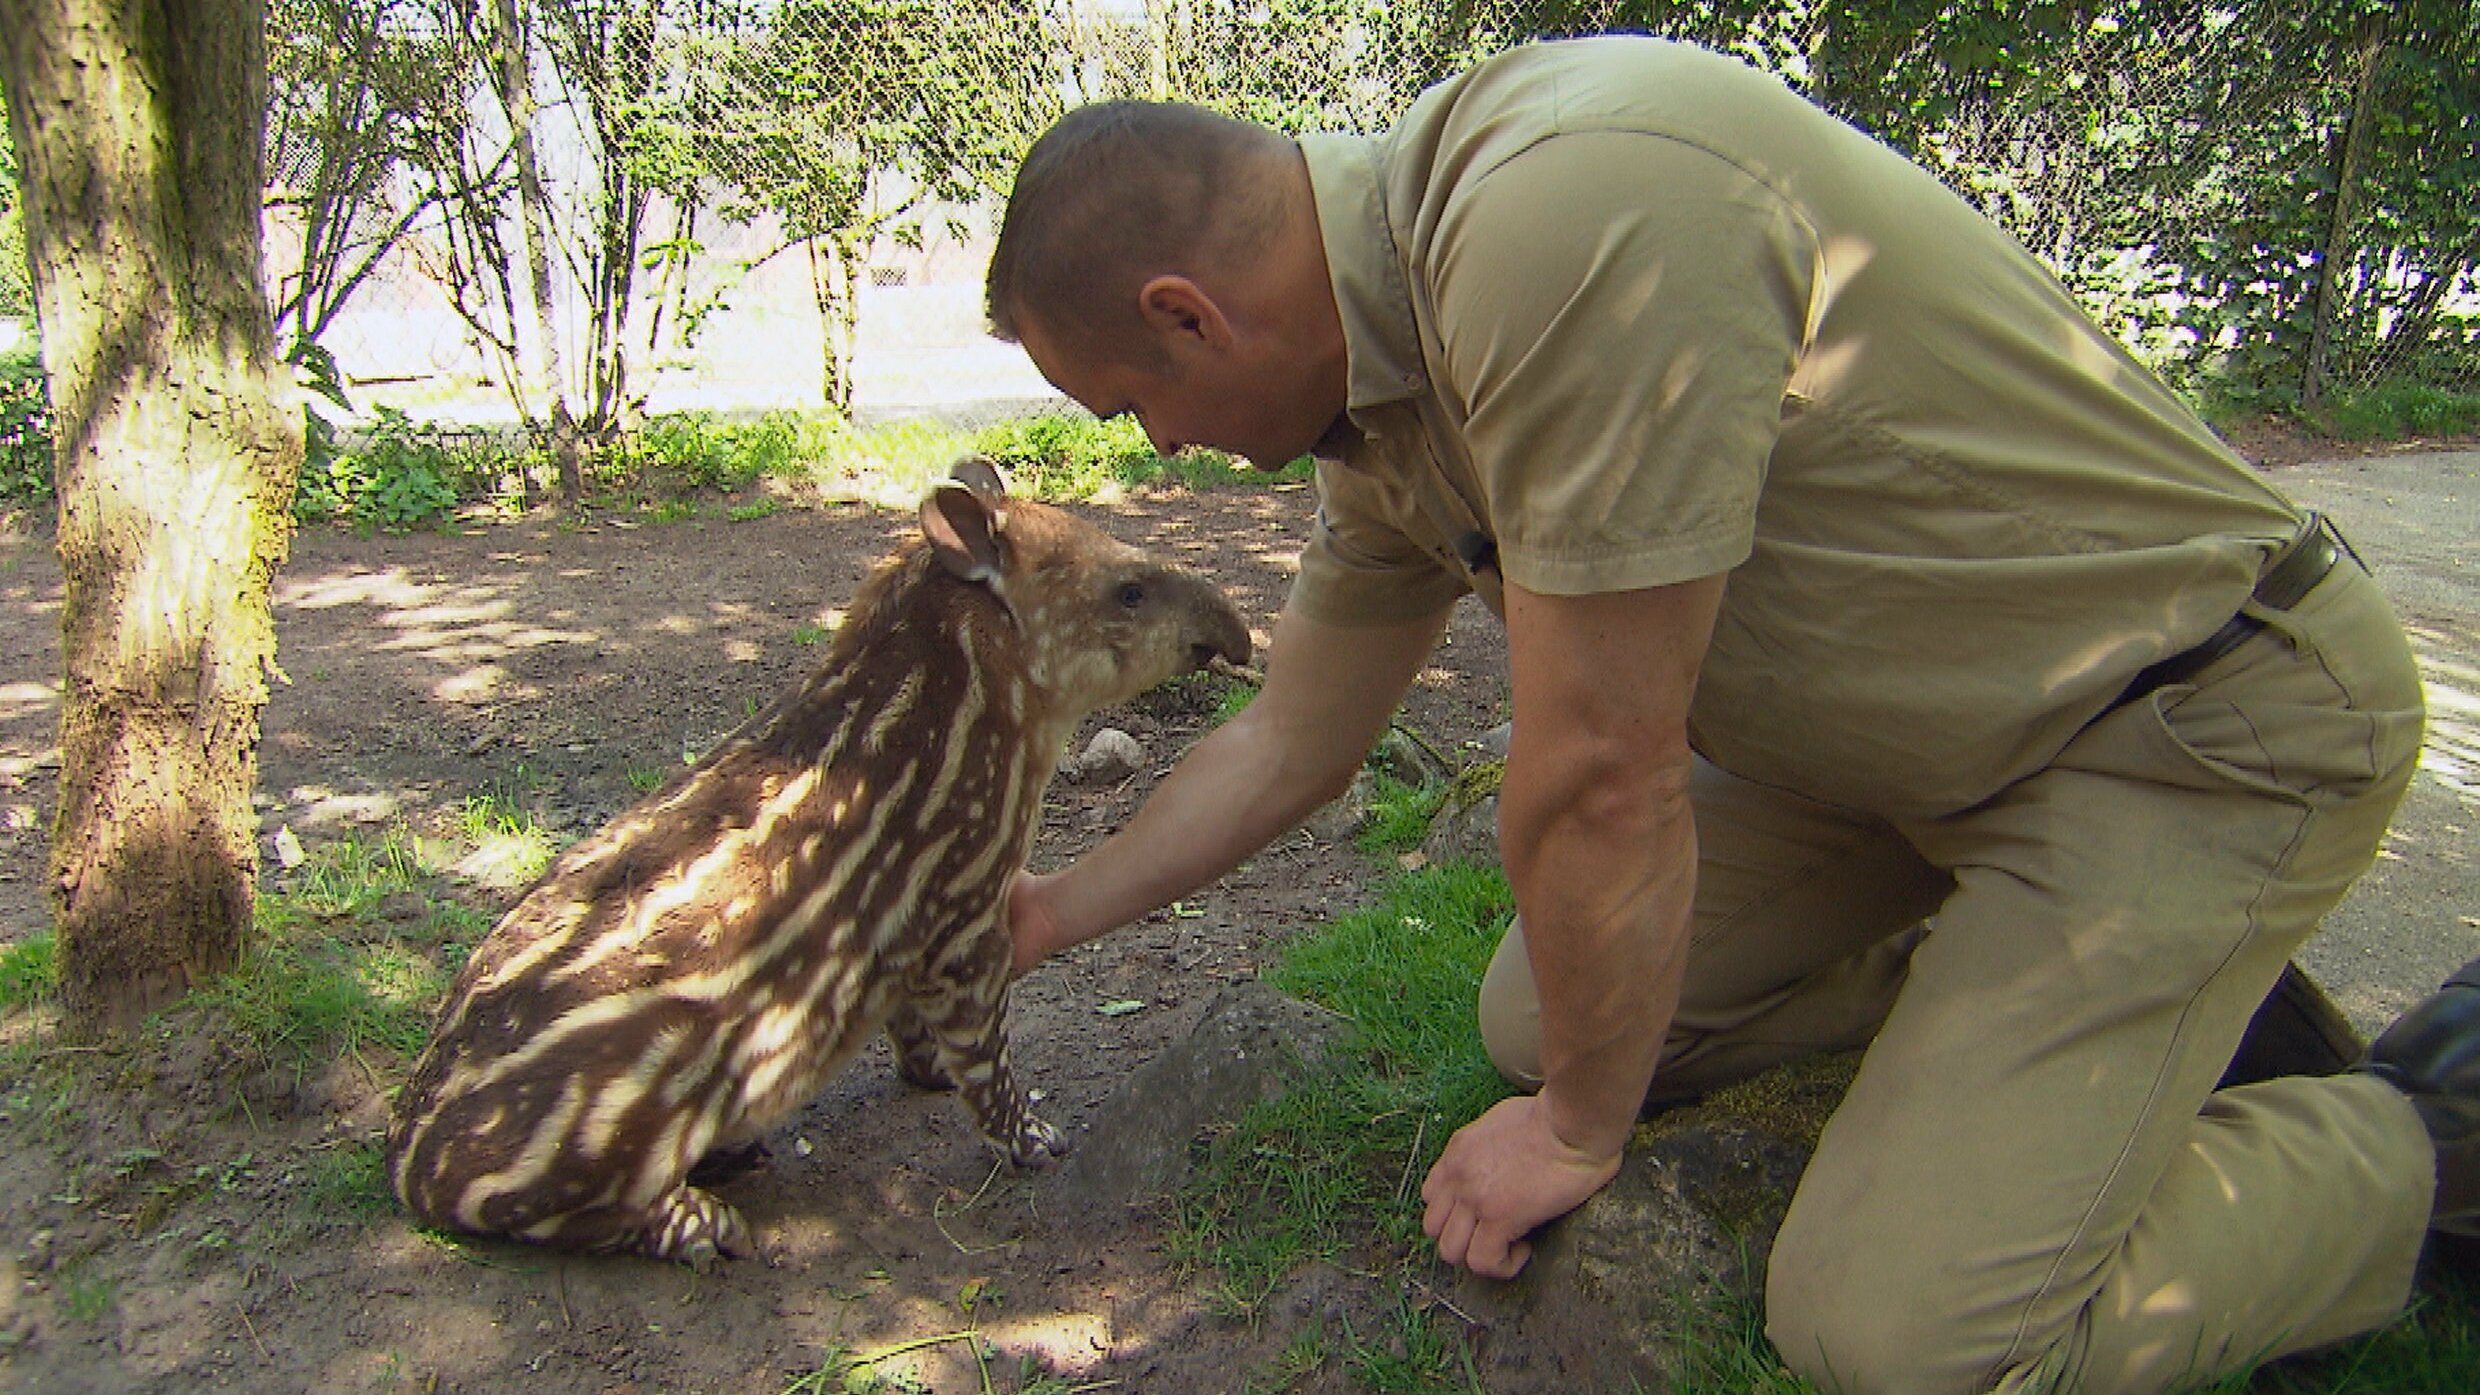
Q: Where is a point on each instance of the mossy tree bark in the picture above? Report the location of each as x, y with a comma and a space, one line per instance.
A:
138, 126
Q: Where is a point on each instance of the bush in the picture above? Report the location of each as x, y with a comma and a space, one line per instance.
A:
402, 475
705, 452
1063, 456
25, 429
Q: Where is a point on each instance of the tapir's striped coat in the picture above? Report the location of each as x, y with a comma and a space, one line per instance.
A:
690, 975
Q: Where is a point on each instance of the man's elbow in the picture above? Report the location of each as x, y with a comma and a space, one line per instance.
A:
1298, 773
1608, 797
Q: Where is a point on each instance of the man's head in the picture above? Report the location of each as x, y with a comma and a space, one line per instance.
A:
1164, 260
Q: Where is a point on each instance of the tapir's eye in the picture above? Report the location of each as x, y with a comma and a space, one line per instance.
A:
1132, 594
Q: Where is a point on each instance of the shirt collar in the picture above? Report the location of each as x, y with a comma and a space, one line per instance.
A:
1382, 348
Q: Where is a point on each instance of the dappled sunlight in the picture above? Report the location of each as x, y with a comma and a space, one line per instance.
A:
176, 1331
460, 1340
471, 632
28, 699
506, 861
2450, 750
389, 587
1066, 1342
321, 809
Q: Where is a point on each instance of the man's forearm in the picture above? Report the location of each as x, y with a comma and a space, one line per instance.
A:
1606, 905
1233, 794
1326, 697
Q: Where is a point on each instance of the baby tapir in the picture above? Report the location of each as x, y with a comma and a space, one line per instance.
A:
690, 975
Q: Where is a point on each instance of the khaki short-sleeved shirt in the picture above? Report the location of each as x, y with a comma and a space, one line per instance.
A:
1622, 313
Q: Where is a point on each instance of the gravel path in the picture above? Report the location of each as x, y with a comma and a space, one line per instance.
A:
2415, 518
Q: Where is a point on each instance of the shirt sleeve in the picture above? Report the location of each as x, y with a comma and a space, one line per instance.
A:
1358, 569
1620, 314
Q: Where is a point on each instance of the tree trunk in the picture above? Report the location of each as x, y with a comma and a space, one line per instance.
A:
2339, 254
515, 75
834, 285
138, 125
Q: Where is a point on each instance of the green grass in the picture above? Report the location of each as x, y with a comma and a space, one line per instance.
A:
403, 474
1417, 1354
2394, 411
1235, 697
506, 839
1330, 1171
86, 1296
29, 971
1333, 1164
1399, 814
349, 1180
355, 948
1065, 456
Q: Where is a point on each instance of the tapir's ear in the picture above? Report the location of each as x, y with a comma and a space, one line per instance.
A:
980, 474
964, 525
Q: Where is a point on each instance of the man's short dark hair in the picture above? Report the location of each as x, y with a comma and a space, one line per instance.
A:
1113, 195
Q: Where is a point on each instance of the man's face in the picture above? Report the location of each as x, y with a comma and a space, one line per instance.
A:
1192, 396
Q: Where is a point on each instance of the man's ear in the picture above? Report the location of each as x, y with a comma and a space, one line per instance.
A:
1174, 307
964, 527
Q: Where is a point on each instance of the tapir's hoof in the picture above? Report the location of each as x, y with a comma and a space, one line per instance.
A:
1037, 1144
696, 1230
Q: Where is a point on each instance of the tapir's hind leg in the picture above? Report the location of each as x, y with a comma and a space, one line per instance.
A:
686, 1224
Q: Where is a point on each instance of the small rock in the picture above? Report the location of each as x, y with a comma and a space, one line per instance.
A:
1464, 833
1402, 756
1113, 755
1249, 1042
1342, 819
288, 850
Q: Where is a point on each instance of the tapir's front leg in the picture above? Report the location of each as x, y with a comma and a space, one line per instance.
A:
916, 1050
952, 1032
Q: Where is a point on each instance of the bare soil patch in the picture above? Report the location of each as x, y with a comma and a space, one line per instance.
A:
165, 1226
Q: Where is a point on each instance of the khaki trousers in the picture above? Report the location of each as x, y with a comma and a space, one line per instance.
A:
2033, 1183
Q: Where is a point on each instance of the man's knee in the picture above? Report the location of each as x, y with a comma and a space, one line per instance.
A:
1510, 1012
1848, 1333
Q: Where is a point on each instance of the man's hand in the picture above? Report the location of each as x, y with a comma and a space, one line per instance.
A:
1501, 1176
1029, 922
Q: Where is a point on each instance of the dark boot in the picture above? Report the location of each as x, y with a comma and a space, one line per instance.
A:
2432, 1054
2296, 1031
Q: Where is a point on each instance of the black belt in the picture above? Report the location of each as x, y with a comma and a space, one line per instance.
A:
2303, 562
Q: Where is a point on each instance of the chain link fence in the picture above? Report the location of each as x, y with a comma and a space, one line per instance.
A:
606, 210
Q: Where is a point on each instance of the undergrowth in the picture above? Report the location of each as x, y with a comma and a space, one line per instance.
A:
392, 472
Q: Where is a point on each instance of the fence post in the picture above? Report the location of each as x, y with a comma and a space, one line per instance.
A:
2339, 255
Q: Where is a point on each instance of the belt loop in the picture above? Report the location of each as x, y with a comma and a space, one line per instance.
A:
2343, 542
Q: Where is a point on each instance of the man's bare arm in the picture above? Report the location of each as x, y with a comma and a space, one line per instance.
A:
1328, 694
1600, 846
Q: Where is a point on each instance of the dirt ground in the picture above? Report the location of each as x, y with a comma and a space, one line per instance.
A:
156, 1231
